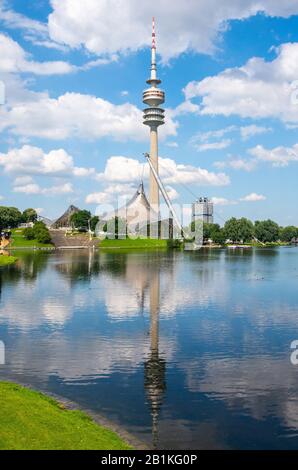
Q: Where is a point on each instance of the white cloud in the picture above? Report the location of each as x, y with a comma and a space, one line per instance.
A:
173, 173
15, 20
98, 62
91, 24
237, 164
33, 160
39, 210
22, 180
185, 107
81, 171
253, 197
222, 144
14, 59
121, 174
221, 201
172, 144
29, 160
33, 30
34, 188
259, 89
124, 169
278, 156
209, 140
249, 131
242, 164
111, 193
78, 115
46, 43
98, 198
1, 197
172, 193
214, 134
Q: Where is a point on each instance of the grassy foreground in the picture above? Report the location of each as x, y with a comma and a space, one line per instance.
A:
138, 243
19, 241
31, 420
6, 260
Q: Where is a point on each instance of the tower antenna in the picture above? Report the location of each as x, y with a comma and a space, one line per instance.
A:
153, 33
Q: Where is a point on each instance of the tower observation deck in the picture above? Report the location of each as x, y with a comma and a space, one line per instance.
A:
153, 117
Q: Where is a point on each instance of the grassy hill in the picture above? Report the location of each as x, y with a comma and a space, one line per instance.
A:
30, 420
19, 241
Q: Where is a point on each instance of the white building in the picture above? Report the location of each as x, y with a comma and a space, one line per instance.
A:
202, 209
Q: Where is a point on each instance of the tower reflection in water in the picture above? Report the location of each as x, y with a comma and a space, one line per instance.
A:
155, 366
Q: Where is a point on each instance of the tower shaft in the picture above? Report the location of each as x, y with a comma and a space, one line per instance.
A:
153, 186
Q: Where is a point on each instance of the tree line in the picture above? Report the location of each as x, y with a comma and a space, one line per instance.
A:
11, 217
244, 231
236, 230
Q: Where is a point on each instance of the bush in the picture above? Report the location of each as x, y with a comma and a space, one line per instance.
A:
29, 234
174, 244
39, 232
39, 226
43, 236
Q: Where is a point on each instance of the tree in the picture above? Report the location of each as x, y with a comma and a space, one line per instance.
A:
93, 222
10, 217
29, 233
288, 233
245, 229
39, 227
29, 215
266, 231
239, 229
219, 237
81, 219
43, 236
209, 230
231, 229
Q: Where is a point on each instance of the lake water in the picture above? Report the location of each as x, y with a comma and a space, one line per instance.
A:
184, 350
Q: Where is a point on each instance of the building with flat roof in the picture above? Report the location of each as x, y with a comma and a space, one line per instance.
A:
202, 209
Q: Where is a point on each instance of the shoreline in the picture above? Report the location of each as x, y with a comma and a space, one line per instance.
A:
140, 248
99, 419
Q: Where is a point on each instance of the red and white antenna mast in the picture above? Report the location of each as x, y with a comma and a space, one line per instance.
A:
153, 52
153, 33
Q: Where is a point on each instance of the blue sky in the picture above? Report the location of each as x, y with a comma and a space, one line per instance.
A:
71, 127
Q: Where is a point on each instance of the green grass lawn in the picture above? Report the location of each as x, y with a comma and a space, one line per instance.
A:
129, 243
19, 241
31, 420
6, 260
